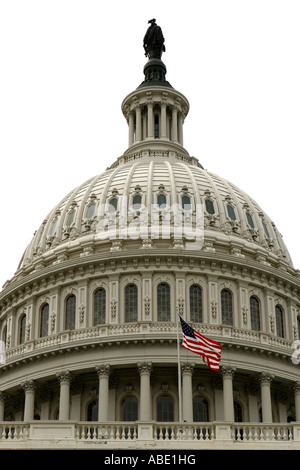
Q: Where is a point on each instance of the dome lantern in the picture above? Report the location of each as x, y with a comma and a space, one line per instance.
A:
155, 111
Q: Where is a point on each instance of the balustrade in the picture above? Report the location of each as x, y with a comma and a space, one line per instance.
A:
205, 434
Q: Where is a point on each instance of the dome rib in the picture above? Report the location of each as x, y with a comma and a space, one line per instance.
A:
149, 172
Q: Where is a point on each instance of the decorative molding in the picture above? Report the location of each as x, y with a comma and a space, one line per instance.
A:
103, 370
113, 307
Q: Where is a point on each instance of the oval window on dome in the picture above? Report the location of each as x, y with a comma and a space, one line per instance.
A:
53, 226
113, 204
266, 229
70, 218
136, 202
249, 219
186, 203
90, 210
231, 212
161, 201
209, 205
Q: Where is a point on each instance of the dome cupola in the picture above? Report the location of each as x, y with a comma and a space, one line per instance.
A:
155, 111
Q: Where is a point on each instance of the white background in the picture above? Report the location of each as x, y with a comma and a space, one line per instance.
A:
66, 65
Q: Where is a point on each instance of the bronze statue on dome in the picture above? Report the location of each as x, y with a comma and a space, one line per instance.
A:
154, 41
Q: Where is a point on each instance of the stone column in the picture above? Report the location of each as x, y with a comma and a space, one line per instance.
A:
145, 369
103, 372
296, 388
64, 398
187, 370
3, 397
29, 388
163, 121
180, 128
138, 136
265, 381
131, 128
227, 373
174, 124
150, 121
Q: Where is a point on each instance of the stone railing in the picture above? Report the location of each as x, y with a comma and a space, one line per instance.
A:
151, 330
262, 432
122, 435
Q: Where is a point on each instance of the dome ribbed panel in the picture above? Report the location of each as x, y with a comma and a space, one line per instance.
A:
149, 177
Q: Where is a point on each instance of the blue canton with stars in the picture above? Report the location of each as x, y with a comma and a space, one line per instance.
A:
187, 329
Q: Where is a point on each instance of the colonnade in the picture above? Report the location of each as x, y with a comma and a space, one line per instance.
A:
145, 370
142, 122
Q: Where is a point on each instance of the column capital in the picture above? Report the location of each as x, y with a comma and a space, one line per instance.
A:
3, 396
64, 377
296, 387
29, 386
265, 378
103, 370
145, 367
227, 371
187, 367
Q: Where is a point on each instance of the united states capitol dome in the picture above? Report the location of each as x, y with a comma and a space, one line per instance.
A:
233, 222
90, 319
156, 171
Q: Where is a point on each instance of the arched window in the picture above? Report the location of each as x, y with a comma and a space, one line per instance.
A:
131, 303
279, 321
161, 201
4, 334
266, 229
70, 218
22, 335
53, 227
200, 409
209, 205
238, 412
99, 306
70, 312
186, 203
163, 302
136, 202
249, 219
113, 205
129, 409
226, 306
90, 210
165, 408
255, 313
231, 212
196, 303
92, 411
44, 320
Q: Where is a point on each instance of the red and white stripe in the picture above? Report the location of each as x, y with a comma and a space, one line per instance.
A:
209, 349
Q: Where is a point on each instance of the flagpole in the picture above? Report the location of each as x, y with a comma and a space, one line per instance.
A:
179, 369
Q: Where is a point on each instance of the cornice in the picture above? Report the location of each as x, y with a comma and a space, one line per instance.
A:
229, 345
99, 264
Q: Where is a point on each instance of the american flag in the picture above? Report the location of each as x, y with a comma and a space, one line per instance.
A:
209, 349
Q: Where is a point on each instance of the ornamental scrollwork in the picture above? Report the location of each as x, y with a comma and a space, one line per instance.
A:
81, 313
113, 307
245, 314
214, 307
